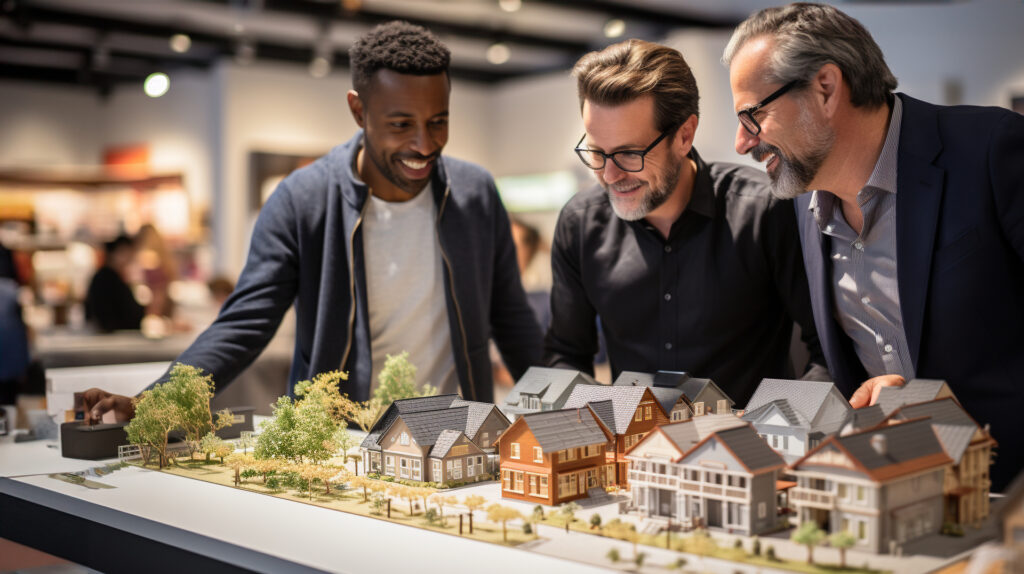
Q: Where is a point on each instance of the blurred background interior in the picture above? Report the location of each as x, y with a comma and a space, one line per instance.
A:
170, 122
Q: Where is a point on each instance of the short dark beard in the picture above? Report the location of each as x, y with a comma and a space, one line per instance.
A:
654, 197
386, 169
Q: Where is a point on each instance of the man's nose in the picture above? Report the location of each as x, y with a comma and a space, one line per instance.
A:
744, 140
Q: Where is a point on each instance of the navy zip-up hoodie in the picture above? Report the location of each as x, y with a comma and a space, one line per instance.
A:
307, 249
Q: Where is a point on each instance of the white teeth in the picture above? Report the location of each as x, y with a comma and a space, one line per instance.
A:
414, 164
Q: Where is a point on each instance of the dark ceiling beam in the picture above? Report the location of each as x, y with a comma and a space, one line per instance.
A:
630, 11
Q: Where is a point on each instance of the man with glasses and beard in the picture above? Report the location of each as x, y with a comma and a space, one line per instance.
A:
383, 245
914, 234
690, 266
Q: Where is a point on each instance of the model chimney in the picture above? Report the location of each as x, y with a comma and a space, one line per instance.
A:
579, 416
879, 443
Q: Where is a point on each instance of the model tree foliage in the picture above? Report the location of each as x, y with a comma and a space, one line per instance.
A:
810, 535
397, 380
842, 540
502, 515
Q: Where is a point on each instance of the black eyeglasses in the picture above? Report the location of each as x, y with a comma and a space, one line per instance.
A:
747, 116
626, 160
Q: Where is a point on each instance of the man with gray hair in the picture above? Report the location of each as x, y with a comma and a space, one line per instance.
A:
913, 235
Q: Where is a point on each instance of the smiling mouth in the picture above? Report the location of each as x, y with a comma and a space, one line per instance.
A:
413, 164
771, 161
625, 189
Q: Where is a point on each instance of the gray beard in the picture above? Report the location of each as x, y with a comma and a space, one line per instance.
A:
793, 177
653, 198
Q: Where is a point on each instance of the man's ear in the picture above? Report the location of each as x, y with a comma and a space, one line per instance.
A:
355, 105
683, 139
826, 86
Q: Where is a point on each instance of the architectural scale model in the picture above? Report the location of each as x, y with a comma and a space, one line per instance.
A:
543, 389
797, 463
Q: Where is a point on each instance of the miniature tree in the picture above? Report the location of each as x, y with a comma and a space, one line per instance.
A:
842, 540
190, 392
324, 388
378, 501
474, 502
810, 535
355, 458
223, 450
424, 493
366, 413
613, 555
315, 430
209, 445
405, 492
638, 559
237, 462
155, 417
442, 500
397, 380
360, 482
569, 510
756, 548
277, 439
537, 516
502, 514
344, 441
595, 521
245, 442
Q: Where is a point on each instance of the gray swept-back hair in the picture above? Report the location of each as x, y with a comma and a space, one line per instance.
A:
807, 36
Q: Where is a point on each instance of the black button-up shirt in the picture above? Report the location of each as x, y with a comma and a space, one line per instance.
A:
717, 298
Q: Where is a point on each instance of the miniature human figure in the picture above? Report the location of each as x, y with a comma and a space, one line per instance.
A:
914, 239
383, 245
691, 266
109, 303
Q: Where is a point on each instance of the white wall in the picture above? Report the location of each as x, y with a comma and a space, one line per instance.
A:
44, 125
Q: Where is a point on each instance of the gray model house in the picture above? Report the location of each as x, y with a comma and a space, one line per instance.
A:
543, 389
666, 387
966, 483
706, 397
882, 485
915, 391
794, 416
719, 475
435, 439
862, 419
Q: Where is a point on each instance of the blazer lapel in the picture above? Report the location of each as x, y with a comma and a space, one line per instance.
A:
920, 186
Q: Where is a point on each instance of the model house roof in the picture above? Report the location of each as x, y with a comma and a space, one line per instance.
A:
807, 400
444, 443
478, 413
625, 400
863, 418
685, 435
692, 387
780, 407
546, 382
426, 426
567, 428
749, 449
605, 411
661, 379
882, 453
951, 423
404, 406
667, 397
915, 391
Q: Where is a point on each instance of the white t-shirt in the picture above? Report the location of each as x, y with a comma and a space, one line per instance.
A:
405, 289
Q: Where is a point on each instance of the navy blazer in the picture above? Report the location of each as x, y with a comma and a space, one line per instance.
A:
960, 261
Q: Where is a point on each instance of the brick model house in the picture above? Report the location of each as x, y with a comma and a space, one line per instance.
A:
553, 457
629, 412
435, 439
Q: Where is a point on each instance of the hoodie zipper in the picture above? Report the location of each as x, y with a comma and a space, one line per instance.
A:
352, 284
451, 288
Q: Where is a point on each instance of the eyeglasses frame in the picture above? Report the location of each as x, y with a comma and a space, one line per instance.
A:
749, 112
606, 156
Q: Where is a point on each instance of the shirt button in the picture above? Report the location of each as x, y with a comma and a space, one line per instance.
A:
865, 300
829, 228
668, 249
668, 296
668, 346
837, 256
887, 348
858, 245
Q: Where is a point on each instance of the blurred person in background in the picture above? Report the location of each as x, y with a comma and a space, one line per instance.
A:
110, 304
158, 269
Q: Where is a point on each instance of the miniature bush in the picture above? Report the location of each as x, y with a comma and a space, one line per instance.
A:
538, 511
527, 529
769, 553
373, 475
273, 482
249, 473
388, 478
613, 555
431, 516
756, 549
639, 559
738, 545
595, 521
679, 564
951, 529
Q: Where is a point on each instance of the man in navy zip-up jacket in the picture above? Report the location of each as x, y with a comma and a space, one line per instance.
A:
311, 245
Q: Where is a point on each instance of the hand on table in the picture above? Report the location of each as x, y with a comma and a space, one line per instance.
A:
97, 403
867, 394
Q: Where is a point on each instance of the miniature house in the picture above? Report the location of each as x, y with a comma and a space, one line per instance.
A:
543, 389
1011, 524
435, 439
882, 485
666, 387
966, 483
706, 397
794, 416
720, 476
914, 391
628, 412
555, 456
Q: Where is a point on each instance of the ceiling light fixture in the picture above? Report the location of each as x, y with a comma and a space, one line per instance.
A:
614, 28
319, 66
510, 5
245, 52
498, 53
156, 84
180, 43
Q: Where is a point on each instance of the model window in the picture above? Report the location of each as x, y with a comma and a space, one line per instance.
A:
506, 479
842, 494
677, 416
862, 530
647, 413
404, 440
485, 439
742, 481
762, 509
775, 441
417, 470
543, 486
519, 481
570, 454
785, 442
860, 494
639, 415
721, 406
389, 464
403, 465
698, 408
437, 471
538, 454
515, 450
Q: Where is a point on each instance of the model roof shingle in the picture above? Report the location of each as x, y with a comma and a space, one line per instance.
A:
915, 391
685, 435
660, 379
478, 413
402, 406
806, 398
547, 382
667, 397
693, 386
444, 443
863, 418
625, 400
783, 407
954, 427
426, 426
750, 449
568, 428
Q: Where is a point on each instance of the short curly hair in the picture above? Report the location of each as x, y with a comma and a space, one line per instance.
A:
399, 46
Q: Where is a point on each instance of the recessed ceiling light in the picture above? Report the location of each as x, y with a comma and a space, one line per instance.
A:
510, 5
180, 43
319, 67
614, 28
498, 53
156, 84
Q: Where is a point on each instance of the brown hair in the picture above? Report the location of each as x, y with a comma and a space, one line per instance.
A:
632, 69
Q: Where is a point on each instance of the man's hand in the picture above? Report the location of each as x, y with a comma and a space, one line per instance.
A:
867, 394
97, 402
